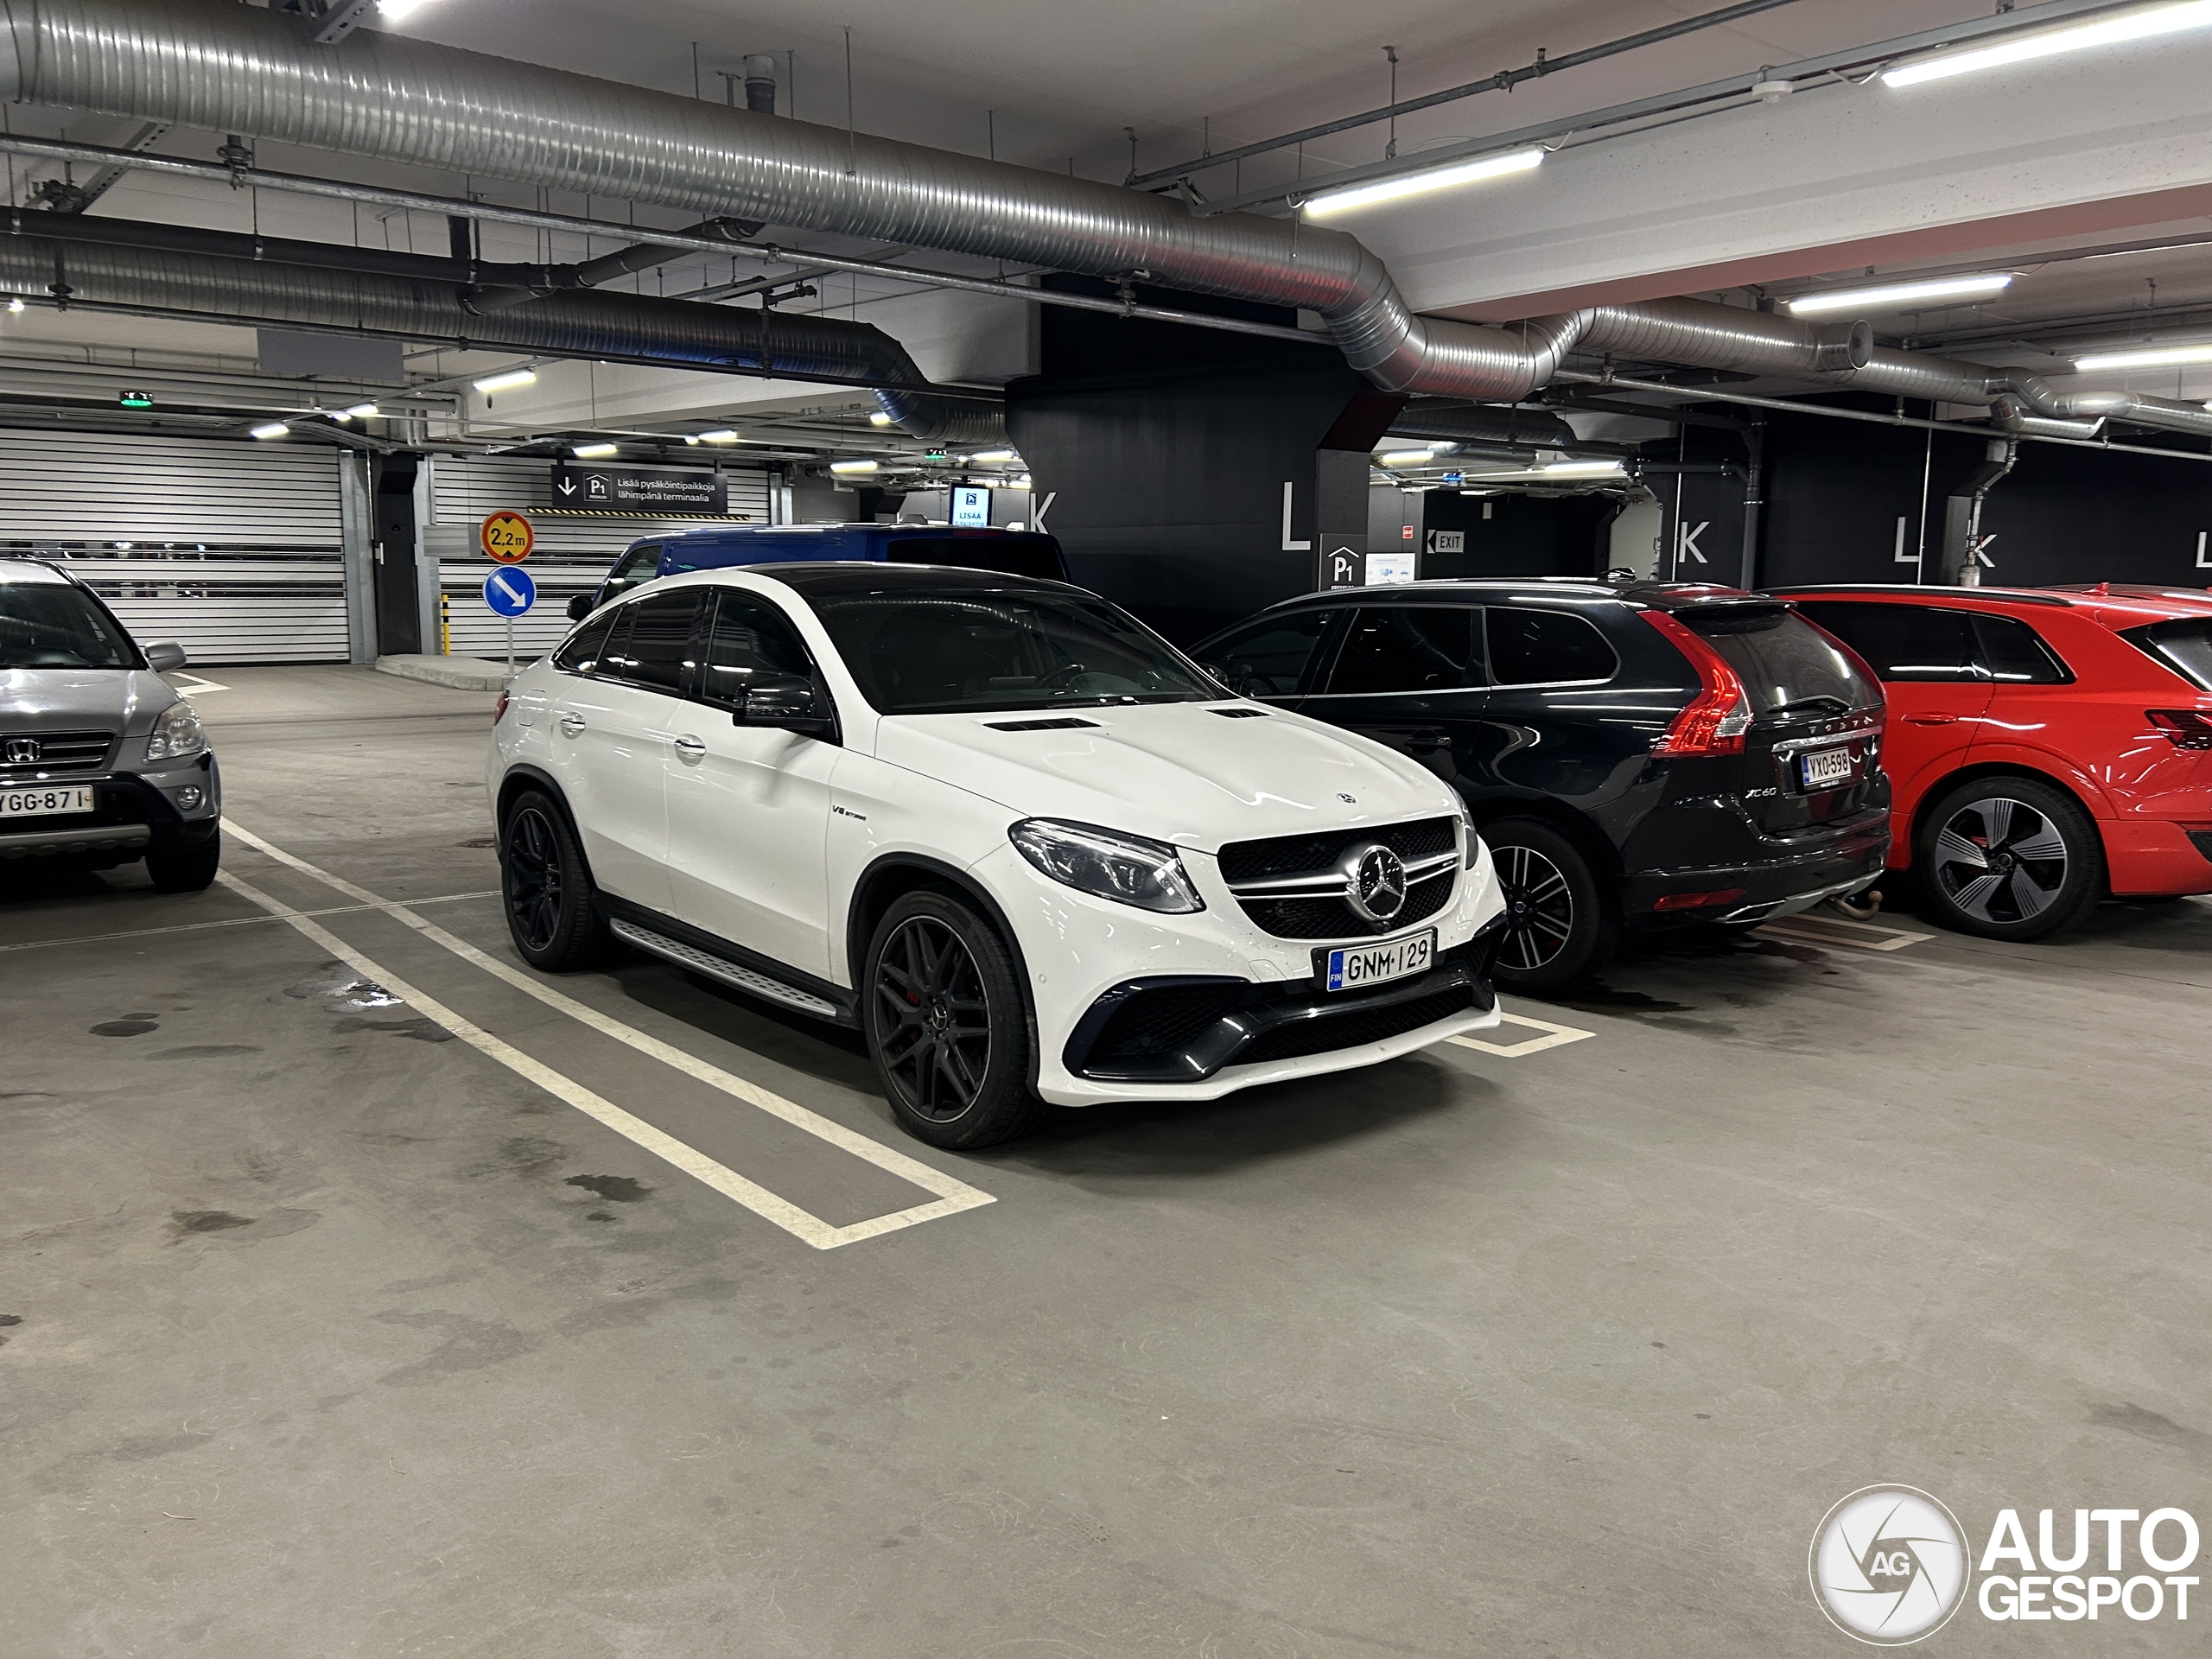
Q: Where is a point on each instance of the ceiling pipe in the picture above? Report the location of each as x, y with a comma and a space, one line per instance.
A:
78, 262
216, 66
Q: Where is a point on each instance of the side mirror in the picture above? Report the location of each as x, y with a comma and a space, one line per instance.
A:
580, 608
165, 656
784, 699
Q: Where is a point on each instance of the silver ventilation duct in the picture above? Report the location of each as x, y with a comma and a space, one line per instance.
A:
79, 268
220, 67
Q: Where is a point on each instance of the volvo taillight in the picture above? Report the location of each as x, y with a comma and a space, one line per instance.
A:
1718, 717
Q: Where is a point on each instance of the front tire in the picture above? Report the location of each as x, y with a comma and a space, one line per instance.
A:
552, 911
187, 868
1559, 929
946, 1027
2010, 857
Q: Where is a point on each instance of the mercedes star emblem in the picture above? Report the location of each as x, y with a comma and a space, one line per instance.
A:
1375, 881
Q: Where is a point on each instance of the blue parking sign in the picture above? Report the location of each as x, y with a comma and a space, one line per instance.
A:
510, 592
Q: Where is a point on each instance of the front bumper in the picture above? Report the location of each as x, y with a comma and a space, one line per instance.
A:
1835, 861
1263, 1016
132, 813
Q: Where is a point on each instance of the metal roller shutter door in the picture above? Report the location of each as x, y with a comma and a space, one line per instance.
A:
572, 553
232, 549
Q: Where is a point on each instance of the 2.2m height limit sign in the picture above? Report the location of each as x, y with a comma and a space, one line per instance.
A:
506, 538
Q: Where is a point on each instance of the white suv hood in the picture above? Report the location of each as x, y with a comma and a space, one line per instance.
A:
1177, 771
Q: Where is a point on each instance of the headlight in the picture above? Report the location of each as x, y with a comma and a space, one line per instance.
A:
1127, 869
176, 734
1468, 839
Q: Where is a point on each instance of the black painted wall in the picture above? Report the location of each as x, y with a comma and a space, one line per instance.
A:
1520, 536
1165, 450
1837, 492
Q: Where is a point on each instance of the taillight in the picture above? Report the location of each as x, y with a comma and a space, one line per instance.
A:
2185, 729
1718, 717
499, 713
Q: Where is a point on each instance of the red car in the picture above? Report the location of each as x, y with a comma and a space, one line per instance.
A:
2045, 746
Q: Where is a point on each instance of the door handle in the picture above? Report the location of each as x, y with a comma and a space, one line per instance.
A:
1425, 743
571, 725
692, 748
1931, 720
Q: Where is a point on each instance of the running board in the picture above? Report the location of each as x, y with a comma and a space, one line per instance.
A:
729, 973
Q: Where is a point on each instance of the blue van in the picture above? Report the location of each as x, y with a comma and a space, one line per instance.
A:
1010, 552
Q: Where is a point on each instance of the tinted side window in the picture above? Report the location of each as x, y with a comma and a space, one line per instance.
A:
1902, 642
580, 653
1269, 658
2015, 654
1408, 648
2185, 646
750, 636
637, 565
1531, 647
654, 650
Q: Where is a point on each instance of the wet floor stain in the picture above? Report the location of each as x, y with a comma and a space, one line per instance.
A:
245, 1229
615, 1189
207, 1221
205, 1051
594, 1215
137, 1025
7, 1320
344, 991
422, 1030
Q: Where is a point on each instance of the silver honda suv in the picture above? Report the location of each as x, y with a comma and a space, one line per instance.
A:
101, 761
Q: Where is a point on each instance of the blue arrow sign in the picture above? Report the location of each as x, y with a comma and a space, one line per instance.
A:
510, 592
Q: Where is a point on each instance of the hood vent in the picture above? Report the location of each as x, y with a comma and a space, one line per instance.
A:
1240, 714
1063, 723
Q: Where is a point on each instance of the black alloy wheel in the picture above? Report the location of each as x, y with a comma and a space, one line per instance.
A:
552, 914
1558, 928
945, 1025
2011, 858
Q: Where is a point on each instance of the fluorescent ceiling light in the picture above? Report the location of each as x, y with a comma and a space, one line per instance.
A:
1022, 482
2144, 22
993, 457
16, 304
1888, 298
849, 468
273, 430
1582, 469
2151, 356
593, 451
361, 411
723, 437
879, 419
1435, 178
512, 378
1408, 457
393, 10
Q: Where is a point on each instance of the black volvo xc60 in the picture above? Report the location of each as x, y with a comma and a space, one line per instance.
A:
1640, 757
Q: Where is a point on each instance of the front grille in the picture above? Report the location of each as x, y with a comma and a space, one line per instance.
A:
1261, 860
1160, 1021
57, 754
1353, 1028
1332, 919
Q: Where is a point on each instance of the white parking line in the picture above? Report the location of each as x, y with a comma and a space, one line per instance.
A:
1554, 1036
952, 1196
237, 921
1834, 930
192, 686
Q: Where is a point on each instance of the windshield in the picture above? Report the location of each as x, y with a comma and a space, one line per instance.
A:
2184, 646
1788, 666
925, 653
51, 625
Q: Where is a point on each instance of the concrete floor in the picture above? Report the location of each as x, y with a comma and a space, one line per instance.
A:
329, 1335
